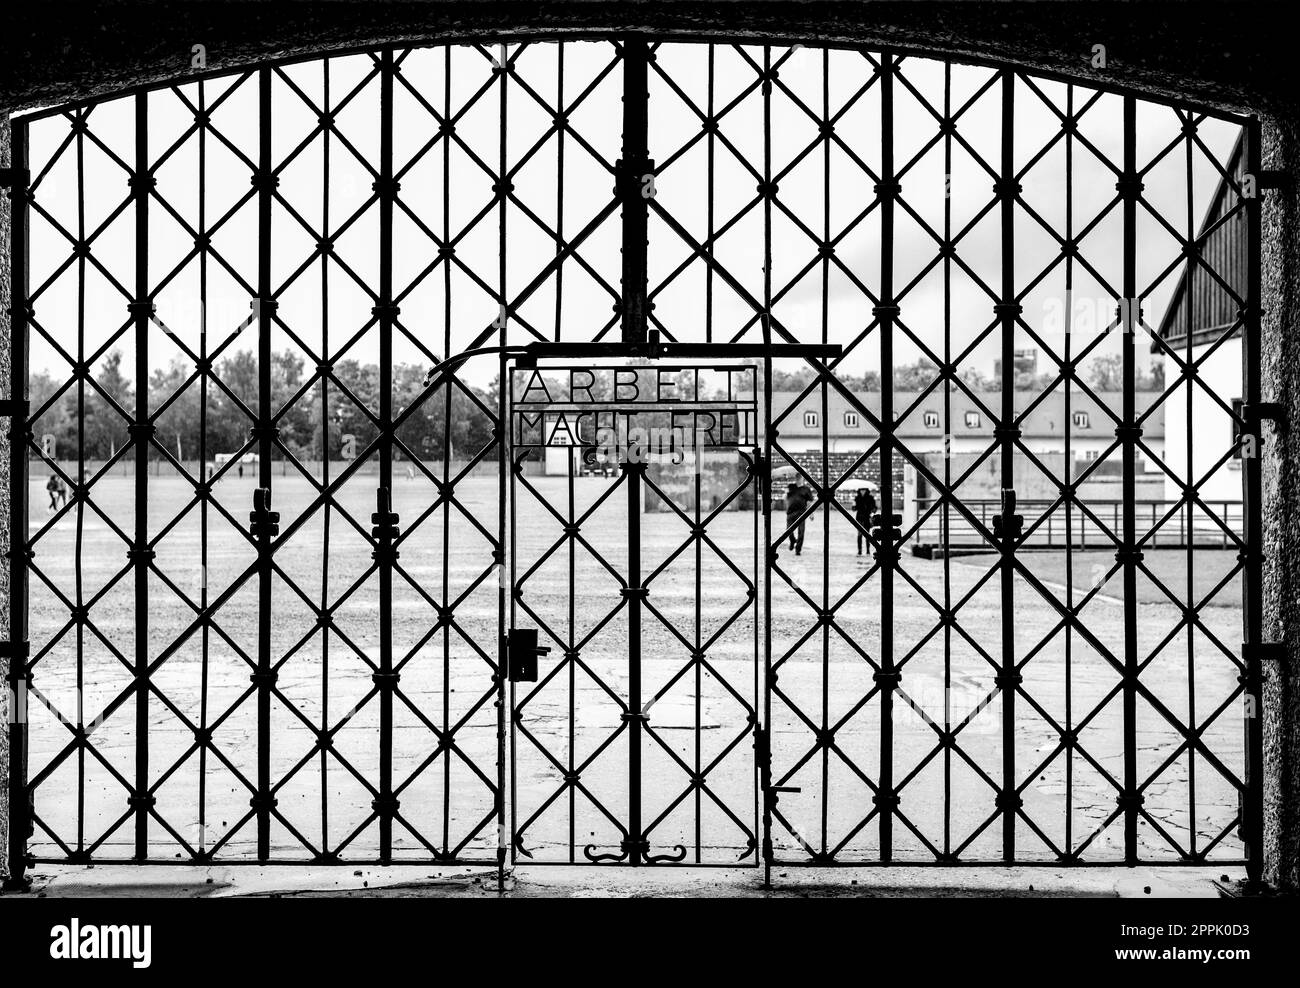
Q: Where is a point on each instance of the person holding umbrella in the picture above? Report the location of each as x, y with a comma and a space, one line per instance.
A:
797, 499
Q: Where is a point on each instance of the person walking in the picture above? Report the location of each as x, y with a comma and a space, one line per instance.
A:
864, 507
52, 488
797, 499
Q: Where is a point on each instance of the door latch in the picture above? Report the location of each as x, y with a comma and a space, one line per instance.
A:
522, 652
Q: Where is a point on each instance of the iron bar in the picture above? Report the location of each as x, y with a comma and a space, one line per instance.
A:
887, 313
1009, 795
142, 428
1069, 477
264, 800
947, 463
504, 578
326, 149
18, 676
632, 479
635, 180
387, 803
763, 736
1127, 317
1252, 479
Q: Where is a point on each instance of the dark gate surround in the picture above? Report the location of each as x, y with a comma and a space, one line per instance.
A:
1173, 50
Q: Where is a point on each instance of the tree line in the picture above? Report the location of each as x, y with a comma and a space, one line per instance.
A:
320, 421
315, 421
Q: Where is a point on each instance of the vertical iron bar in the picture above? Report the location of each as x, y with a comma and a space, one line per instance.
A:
1068, 381
20, 805
447, 453
633, 470
710, 139
826, 488
886, 313
204, 376
79, 570
503, 664
325, 463
263, 801
632, 169
698, 659
1128, 317
1007, 416
947, 459
571, 639
1253, 585
141, 311
1189, 298
503, 464
763, 730
387, 807
764, 740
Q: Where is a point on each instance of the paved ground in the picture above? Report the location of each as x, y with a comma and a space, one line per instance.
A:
698, 789
578, 882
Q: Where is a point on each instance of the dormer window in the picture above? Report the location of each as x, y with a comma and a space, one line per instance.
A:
810, 419
850, 420
1081, 420
972, 420
931, 420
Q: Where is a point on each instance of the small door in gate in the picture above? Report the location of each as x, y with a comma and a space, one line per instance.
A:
634, 554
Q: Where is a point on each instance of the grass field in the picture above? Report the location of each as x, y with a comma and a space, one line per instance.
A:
698, 758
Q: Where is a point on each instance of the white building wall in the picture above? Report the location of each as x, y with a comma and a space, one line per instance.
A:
1211, 427
1081, 445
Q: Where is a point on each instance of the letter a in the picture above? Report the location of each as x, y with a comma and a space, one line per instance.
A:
59, 940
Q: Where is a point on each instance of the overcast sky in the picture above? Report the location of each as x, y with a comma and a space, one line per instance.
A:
682, 187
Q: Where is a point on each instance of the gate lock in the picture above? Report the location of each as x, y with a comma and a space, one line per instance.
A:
522, 652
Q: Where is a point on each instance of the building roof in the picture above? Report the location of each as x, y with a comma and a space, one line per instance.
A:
1224, 250
1047, 419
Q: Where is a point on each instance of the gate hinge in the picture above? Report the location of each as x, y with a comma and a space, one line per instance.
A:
18, 674
17, 180
1263, 651
1273, 178
1254, 414
522, 653
15, 650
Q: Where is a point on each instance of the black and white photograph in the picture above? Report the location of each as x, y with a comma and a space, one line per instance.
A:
475, 452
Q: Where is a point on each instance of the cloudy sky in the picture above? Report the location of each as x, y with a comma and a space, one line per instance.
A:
446, 191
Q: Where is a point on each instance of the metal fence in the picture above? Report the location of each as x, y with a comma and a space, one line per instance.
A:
272, 679
1089, 524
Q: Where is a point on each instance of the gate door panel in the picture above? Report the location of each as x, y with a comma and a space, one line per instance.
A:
634, 558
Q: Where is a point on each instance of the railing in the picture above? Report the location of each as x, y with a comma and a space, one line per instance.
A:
1097, 527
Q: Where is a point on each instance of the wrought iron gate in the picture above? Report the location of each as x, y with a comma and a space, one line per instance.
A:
667, 655
303, 687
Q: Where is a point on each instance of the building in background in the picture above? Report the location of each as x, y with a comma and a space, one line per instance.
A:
1055, 434
1202, 326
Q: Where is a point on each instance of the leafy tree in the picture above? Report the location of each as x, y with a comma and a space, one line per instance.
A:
108, 410
1106, 372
